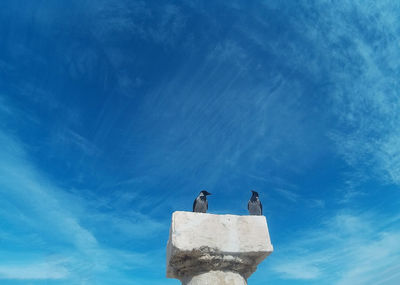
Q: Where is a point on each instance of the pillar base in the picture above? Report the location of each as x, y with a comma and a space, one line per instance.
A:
215, 277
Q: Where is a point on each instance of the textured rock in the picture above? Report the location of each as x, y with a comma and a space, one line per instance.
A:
219, 245
214, 278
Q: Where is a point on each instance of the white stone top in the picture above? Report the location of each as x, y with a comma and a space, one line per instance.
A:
201, 242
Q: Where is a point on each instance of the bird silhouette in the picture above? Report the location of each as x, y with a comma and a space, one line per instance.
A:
254, 205
200, 204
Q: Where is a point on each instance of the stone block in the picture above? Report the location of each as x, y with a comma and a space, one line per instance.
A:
200, 243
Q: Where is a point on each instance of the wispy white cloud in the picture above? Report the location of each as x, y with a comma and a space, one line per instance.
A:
299, 269
44, 218
365, 92
133, 226
347, 249
35, 271
36, 207
23, 184
68, 137
161, 25
290, 195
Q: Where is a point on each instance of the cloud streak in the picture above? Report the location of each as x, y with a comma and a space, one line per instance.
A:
365, 90
32, 202
36, 271
349, 248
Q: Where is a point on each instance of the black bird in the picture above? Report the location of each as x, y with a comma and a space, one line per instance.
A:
254, 206
200, 204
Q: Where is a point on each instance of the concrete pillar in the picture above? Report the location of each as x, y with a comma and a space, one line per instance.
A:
216, 249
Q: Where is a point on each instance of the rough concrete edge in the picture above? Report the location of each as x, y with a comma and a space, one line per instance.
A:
204, 251
170, 248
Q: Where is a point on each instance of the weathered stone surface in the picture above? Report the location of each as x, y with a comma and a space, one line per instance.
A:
215, 278
200, 243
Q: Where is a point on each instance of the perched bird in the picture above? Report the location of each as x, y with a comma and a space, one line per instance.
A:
200, 204
254, 206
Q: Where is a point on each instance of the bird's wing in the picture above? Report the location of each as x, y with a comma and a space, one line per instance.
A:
206, 204
261, 207
194, 204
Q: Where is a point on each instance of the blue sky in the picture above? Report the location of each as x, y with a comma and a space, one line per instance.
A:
114, 114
